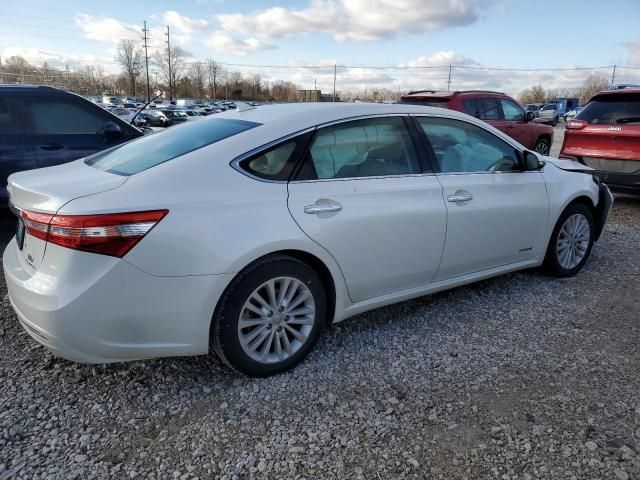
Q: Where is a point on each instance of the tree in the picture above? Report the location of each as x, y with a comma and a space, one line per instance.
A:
535, 94
129, 57
171, 66
213, 73
591, 86
197, 76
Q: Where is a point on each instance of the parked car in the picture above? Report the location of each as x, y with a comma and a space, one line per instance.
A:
533, 107
572, 113
605, 135
44, 126
174, 116
128, 116
550, 113
553, 110
155, 118
497, 109
192, 114
309, 214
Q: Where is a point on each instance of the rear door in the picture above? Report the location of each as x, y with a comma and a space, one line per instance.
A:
65, 129
362, 195
497, 214
16, 151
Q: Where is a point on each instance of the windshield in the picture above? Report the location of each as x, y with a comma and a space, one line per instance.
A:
612, 110
427, 102
146, 152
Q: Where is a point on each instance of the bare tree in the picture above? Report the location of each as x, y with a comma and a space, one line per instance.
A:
535, 94
129, 56
171, 66
591, 86
213, 74
197, 76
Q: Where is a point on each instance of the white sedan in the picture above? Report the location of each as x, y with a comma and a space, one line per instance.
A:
247, 233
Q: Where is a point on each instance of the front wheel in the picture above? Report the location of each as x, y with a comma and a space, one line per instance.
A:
270, 317
571, 241
542, 146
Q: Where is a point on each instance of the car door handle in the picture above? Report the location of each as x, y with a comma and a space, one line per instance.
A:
322, 208
460, 196
52, 146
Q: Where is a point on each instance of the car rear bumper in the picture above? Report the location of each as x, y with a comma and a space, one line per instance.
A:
115, 313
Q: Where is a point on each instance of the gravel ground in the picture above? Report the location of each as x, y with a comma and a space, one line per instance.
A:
518, 377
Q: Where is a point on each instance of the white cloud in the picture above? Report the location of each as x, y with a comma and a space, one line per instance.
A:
439, 59
224, 43
106, 29
37, 57
184, 23
634, 54
355, 20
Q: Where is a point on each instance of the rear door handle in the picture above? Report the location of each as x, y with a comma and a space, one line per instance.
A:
52, 146
322, 208
460, 196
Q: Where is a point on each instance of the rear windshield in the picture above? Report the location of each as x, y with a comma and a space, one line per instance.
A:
427, 102
148, 151
612, 110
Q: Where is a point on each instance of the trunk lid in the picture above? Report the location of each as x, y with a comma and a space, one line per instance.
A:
619, 142
46, 190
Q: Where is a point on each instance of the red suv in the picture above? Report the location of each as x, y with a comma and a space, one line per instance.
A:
605, 135
495, 108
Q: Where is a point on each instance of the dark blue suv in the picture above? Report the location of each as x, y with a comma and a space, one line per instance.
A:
45, 126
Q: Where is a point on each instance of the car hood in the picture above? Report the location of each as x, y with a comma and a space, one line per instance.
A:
568, 165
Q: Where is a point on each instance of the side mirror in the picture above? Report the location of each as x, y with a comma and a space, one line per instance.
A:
530, 116
112, 130
532, 162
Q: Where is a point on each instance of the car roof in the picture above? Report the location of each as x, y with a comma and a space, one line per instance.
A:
616, 92
447, 94
26, 90
306, 115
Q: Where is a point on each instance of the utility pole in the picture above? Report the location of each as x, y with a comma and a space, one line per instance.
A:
169, 60
613, 76
146, 57
335, 67
449, 81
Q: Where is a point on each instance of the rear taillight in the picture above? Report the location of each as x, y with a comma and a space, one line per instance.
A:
108, 234
576, 124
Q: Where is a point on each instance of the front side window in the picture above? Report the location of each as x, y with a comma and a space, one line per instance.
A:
462, 147
362, 148
511, 111
151, 150
62, 117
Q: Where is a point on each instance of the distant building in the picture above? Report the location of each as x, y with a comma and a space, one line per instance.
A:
316, 96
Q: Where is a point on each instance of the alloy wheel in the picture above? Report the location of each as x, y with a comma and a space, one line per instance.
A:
542, 148
573, 241
276, 320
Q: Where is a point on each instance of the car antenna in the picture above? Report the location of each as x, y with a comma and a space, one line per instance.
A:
145, 106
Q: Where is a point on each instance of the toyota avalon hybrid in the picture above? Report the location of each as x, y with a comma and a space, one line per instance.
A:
247, 233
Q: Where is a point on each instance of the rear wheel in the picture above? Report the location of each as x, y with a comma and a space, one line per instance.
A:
542, 146
571, 241
270, 317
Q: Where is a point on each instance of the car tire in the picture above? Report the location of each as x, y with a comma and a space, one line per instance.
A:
571, 241
542, 146
269, 317
555, 122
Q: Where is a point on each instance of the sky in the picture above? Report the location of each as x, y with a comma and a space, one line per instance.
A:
368, 34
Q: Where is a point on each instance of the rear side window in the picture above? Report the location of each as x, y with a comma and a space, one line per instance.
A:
361, 148
62, 117
612, 110
482, 108
148, 151
277, 162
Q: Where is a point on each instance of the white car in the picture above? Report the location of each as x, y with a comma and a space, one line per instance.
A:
247, 233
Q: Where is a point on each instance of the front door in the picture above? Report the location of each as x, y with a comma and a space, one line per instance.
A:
497, 214
361, 194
